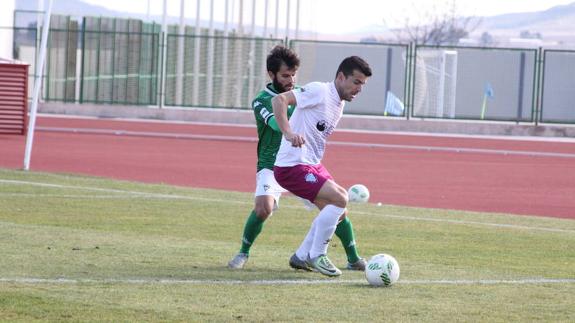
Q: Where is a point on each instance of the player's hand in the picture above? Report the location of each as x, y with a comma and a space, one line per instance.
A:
295, 139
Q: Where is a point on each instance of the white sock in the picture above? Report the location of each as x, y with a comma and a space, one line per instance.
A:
325, 224
303, 250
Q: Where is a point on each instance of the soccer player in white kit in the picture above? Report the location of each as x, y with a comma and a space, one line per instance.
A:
298, 165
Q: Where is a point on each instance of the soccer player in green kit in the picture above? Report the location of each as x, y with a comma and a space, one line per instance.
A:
282, 65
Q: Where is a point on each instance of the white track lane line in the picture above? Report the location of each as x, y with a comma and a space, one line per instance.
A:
504, 152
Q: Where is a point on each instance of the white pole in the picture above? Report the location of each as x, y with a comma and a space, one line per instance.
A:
287, 18
264, 41
297, 19
252, 55
223, 98
148, 11
37, 85
180, 59
276, 28
164, 78
238, 61
196, 68
265, 31
37, 71
210, 76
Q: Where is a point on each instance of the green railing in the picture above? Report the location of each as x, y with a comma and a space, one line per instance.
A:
119, 61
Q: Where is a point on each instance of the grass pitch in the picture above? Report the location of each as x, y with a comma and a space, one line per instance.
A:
91, 249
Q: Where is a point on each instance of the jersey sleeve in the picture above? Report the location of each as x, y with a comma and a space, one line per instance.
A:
262, 111
309, 95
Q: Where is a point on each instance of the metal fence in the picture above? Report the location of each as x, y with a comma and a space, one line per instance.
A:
474, 83
215, 71
119, 61
558, 87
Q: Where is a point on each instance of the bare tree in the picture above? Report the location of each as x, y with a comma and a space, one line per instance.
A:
437, 26
486, 39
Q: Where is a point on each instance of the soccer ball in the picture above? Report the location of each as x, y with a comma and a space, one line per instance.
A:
358, 193
382, 270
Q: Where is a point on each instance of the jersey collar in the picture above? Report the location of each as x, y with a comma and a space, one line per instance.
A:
271, 90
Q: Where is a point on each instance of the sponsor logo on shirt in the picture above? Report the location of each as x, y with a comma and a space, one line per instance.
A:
324, 127
310, 178
266, 187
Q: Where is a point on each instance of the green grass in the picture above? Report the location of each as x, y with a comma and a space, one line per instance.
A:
102, 250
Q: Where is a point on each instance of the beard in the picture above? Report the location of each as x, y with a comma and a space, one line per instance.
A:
278, 86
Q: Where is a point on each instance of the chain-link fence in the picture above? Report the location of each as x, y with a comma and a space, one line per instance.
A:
215, 71
119, 61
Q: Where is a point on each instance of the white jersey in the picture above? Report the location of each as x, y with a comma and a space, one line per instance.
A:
318, 110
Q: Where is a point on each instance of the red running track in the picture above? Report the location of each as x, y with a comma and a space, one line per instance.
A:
490, 175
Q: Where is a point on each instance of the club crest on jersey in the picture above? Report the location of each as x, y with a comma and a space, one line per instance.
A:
310, 178
320, 125
266, 187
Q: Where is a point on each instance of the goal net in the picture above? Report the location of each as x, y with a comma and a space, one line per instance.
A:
435, 83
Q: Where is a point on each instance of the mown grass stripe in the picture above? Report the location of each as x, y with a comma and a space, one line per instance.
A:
195, 198
526, 281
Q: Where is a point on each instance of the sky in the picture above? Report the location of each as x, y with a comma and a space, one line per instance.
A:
333, 16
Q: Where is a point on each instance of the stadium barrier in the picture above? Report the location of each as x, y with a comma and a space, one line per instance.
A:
118, 61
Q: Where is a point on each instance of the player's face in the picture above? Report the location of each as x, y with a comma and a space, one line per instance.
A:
350, 86
284, 79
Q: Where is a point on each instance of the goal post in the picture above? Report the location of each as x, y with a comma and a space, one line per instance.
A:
435, 83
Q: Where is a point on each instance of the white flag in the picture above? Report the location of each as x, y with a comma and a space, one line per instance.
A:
393, 105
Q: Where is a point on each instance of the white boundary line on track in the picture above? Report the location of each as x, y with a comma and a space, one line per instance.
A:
347, 130
193, 198
64, 281
335, 143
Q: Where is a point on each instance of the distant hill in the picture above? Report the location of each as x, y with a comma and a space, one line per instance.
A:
69, 7
556, 23
558, 18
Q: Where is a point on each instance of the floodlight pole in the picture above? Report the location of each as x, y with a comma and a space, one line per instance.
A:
37, 86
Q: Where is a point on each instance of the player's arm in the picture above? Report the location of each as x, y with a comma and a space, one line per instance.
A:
272, 123
280, 104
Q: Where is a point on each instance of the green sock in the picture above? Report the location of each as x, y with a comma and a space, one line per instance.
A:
252, 229
344, 231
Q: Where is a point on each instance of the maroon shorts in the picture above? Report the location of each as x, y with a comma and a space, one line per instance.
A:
304, 181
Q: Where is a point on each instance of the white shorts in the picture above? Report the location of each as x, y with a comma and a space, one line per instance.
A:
266, 184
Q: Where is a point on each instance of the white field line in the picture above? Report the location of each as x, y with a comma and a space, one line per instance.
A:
465, 222
137, 194
65, 196
160, 281
132, 193
193, 198
336, 143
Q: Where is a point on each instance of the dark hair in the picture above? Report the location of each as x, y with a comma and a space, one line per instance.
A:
349, 64
281, 54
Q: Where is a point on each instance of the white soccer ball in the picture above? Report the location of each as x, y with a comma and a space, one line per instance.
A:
358, 193
382, 270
